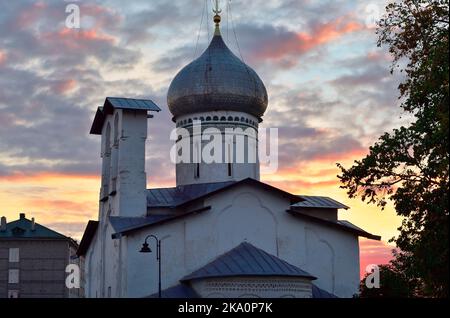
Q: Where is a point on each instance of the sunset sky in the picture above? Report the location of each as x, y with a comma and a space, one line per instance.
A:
330, 94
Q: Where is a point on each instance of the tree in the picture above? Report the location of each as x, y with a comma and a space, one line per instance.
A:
393, 284
410, 165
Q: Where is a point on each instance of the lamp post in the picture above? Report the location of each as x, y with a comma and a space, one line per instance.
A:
146, 249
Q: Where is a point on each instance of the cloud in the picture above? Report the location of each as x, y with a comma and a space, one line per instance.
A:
268, 43
373, 252
64, 86
2, 57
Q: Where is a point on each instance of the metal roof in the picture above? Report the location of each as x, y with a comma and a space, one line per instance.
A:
320, 203
88, 235
247, 260
172, 197
124, 225
340, 225
217, 80
131, 103
175, 197
178, 291
320, 293
112, 103
22, 229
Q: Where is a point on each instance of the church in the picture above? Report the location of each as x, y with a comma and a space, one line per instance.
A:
219, 232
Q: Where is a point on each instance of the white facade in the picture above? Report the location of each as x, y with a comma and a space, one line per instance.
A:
238, 157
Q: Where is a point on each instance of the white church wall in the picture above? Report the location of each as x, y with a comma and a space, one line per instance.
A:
93, 268
187, 173
253, 287
244, 214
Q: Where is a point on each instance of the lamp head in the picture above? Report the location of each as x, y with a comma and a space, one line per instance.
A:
145, 248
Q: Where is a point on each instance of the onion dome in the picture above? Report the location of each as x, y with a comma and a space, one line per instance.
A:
217, 81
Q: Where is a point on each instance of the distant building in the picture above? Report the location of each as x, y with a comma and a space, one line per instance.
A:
33, 260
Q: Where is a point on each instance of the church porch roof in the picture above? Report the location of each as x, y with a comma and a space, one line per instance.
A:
247, 260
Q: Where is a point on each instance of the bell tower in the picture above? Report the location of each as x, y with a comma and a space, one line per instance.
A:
122, 124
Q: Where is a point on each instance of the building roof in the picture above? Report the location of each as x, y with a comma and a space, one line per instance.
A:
321, 293
247, 260
319, 202
125, 225
23, 229
112, 103
339, 224
88, 235
177, 291
130, 103
217, 81
181, 195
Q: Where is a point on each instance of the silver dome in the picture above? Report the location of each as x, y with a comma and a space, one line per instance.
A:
217, 80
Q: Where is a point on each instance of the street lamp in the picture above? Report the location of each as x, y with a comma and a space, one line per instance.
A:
146, 249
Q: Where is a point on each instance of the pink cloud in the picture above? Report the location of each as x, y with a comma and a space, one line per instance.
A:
302, 42
337, 156
65, 86
30, 15
373, 252
78, 39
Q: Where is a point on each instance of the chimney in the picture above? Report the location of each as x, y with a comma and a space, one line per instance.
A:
22, 216
33, 225
3, 224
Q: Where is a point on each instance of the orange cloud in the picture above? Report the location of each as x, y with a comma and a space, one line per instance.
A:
65, 86
2, 57
46, 176
61, 205
303, 42
336, 156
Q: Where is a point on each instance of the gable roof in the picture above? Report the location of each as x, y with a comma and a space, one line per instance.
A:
125, 225
181, 195
88, 235
177, 291
319, 202
112, 103
22, 229
339, 224
247, 260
